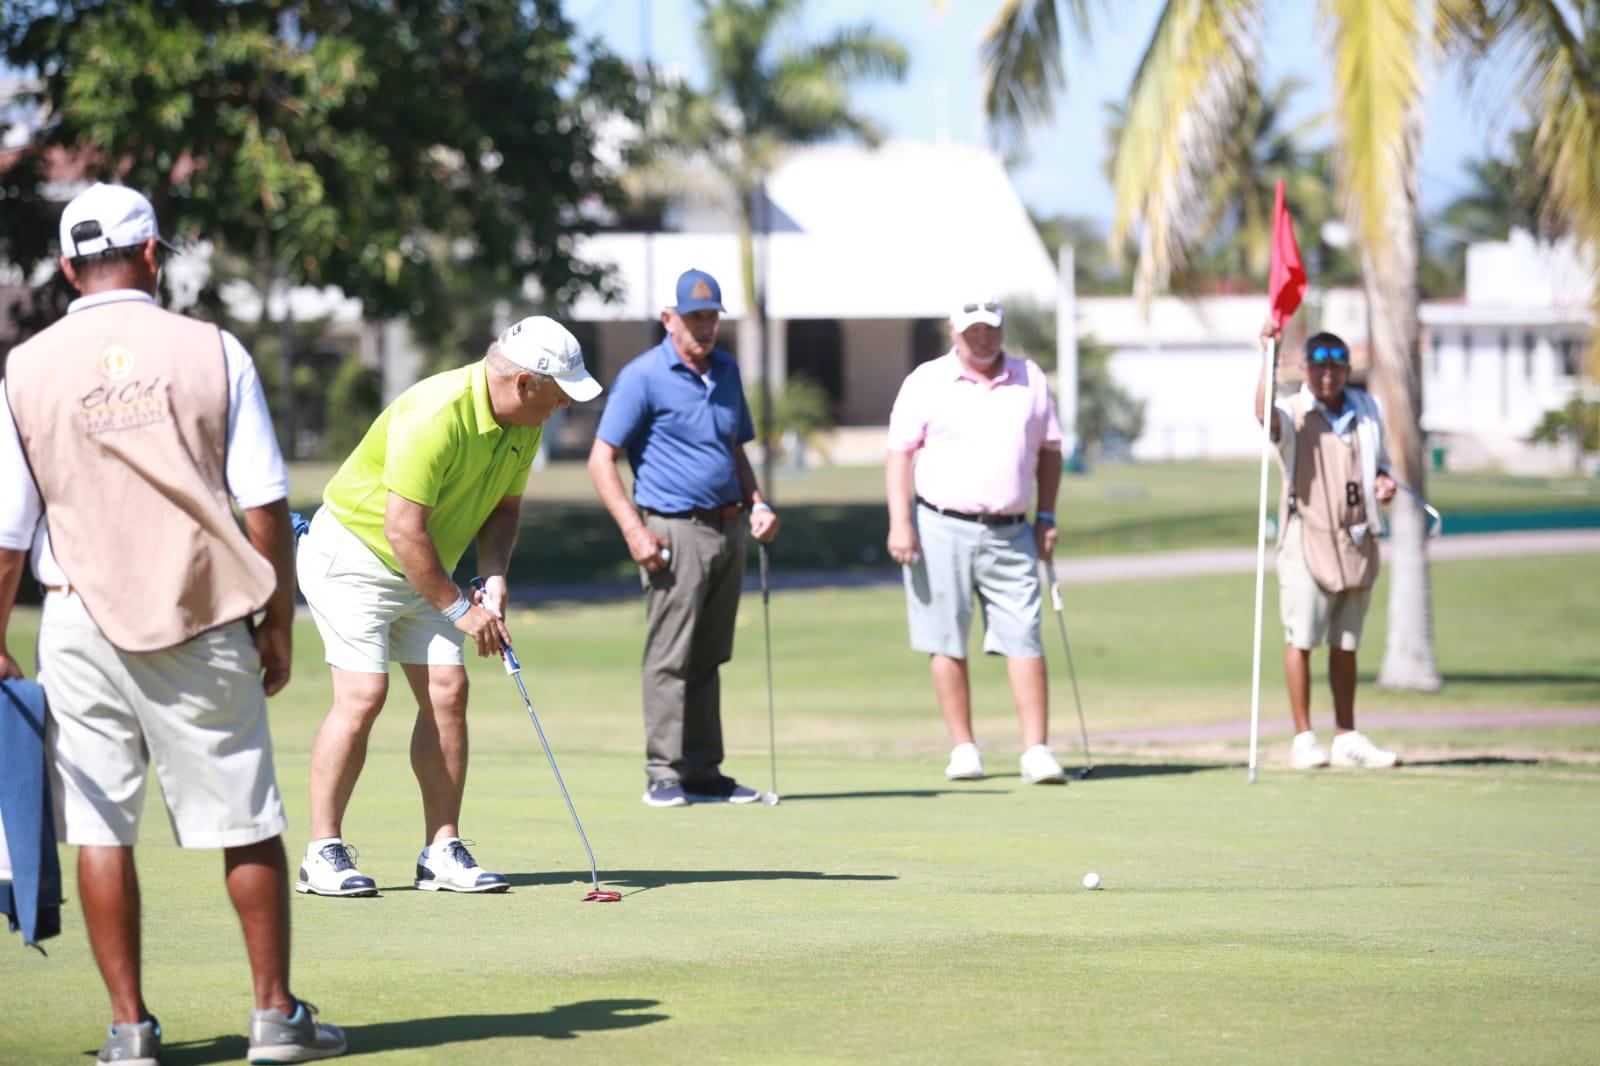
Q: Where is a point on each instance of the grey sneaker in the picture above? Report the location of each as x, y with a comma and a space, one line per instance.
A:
297, 1038
133, 1045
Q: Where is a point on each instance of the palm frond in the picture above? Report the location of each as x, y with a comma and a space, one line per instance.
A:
862, 51
1379, 52
1554, 64
1555, 76
1024, 68
1188, 82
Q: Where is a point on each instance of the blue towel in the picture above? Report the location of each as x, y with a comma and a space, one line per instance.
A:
32, 901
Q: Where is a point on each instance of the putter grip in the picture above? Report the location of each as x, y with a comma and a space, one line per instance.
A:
507, 656
1055, 595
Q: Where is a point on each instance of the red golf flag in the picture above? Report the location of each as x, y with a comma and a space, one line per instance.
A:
1286, 280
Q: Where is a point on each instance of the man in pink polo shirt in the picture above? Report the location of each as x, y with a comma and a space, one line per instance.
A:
990, 448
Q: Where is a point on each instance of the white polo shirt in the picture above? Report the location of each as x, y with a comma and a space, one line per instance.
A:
255, 470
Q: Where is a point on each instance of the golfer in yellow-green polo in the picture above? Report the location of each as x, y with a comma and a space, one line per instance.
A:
443, 467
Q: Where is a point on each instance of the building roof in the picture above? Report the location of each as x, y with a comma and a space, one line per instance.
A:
903, 231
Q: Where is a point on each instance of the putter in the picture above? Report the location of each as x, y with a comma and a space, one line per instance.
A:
1072, 672
771, 797
514, 668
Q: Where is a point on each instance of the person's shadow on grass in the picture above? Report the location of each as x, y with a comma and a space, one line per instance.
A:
566, 1022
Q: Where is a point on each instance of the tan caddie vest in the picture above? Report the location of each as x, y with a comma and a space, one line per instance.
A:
122, 410
1330, 505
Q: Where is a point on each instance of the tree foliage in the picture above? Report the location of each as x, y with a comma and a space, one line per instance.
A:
1577, 424
378, 145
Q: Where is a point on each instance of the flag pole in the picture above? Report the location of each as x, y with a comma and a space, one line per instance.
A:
1269, 387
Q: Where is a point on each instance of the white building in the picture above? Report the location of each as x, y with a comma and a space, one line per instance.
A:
870, 249
1493, 362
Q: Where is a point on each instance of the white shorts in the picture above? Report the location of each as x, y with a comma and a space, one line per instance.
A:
959, 559
1311, 614
368, 614
196, 712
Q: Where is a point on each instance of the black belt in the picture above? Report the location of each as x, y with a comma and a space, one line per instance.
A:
703, 514
984, 519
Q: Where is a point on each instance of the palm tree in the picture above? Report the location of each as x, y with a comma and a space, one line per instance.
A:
766, 93
1381, 55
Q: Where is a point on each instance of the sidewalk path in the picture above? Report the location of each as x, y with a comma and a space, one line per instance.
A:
1081, 570
1490, 718
1243, 560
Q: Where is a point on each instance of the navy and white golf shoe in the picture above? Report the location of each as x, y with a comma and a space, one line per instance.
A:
449, 867
331, 871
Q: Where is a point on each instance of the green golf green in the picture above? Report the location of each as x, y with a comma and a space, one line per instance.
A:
1443, 911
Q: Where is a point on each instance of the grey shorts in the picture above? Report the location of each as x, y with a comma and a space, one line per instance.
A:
960, 560
1312, 615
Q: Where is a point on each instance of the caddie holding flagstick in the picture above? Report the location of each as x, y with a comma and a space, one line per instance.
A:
1331, 449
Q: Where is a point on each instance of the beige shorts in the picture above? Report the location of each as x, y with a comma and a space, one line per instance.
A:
368, 614
1311, 615
195, 712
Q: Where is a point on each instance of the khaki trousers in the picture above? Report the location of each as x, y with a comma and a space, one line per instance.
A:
691, 606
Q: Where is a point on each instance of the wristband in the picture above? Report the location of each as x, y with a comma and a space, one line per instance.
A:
1045, 516
762, 506
457, 609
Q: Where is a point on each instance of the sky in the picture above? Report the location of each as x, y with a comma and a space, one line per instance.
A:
940, 97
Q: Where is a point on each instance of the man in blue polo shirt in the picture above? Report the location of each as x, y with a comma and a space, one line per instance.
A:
679, 413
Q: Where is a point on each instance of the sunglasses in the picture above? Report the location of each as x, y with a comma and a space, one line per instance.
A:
1330, 356
987, 305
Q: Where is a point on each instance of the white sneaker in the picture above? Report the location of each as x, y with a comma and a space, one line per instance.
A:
1305, 753
1353, 749
331, 871
965, 763
1039, 767
450, 867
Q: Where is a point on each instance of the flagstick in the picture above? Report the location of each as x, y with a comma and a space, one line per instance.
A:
1271, 385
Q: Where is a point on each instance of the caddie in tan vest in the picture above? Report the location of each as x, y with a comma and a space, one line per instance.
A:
127, 435
1330, 441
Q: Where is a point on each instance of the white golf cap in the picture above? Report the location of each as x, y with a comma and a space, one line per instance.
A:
104, 216
976, 312
545, 346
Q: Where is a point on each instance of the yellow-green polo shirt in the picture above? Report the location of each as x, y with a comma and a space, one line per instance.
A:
438, 445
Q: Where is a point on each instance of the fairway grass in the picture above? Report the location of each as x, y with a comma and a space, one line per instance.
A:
1443, 912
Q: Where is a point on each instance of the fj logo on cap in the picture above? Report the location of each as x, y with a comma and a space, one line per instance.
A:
116, 363
701, 290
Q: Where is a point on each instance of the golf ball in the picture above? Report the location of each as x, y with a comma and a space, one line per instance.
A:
1091, 881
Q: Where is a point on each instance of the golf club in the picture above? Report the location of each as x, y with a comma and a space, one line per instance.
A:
771, 797
1435, 519
1072, 672
514, 668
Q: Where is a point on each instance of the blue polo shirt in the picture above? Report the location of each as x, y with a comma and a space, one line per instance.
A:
679, 431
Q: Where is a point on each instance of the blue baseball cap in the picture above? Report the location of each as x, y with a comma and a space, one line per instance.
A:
698, 291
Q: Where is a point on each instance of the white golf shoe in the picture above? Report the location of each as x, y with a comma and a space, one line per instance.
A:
965, 763
1305, 753
1354, 750
449, 867
330, 870
1039, 767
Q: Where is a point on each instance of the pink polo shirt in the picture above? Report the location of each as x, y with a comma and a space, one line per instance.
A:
980, 438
